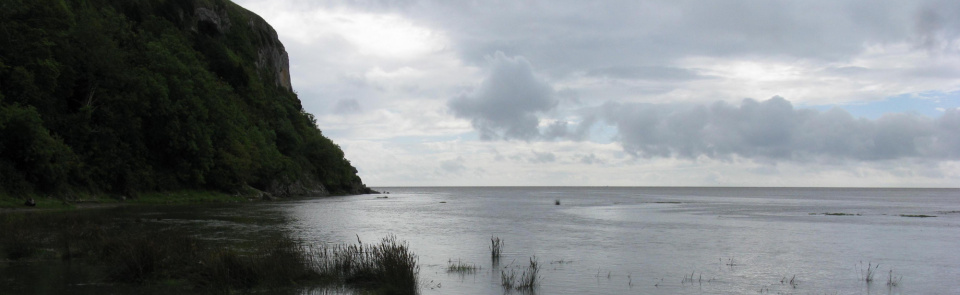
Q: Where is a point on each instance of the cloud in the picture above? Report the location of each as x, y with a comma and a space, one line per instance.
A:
347, 106
540, 158
590, 159
506, 104
774, 130
421, 75
453, 166
655, 73
936, 32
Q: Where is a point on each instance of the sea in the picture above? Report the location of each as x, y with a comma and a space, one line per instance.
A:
629, 240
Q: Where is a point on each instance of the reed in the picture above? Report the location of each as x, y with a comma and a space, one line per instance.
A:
496, 247
892, 280
389, 267
460, 267
528, 280
126, 251
867, 274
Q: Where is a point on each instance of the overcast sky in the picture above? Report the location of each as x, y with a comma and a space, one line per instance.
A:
632, 93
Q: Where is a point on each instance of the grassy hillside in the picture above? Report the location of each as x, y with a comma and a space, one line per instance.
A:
123, 97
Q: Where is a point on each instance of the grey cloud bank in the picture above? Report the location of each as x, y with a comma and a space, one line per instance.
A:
774, 129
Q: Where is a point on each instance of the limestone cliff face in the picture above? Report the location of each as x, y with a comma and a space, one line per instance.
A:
272, 61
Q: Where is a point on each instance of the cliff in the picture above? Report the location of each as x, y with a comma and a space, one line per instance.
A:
123, 97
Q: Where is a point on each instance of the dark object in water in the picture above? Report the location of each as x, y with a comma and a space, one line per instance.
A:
557, 202
30, 203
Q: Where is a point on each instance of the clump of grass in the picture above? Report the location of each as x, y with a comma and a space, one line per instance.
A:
893, 281
692, 278
792, 281
528, 281
389, 266
840, 214
460, 267
496, 247
917, 215
866, 274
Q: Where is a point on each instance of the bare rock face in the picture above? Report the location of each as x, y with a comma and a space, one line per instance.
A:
272, 62
305, 186
274, 56
216, 20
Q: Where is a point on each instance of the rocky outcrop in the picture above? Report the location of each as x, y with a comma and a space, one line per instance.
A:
272, 63
304, 186
212, 20
272, 57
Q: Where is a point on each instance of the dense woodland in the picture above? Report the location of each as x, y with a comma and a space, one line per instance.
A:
121, 97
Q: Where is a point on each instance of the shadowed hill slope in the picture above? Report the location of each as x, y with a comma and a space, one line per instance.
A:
123, 97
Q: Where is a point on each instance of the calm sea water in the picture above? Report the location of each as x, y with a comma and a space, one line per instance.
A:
646, 240
632, 240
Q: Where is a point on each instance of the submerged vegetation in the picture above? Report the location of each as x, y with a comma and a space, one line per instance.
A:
528, 280
461, 268
123, 251
867, 273
122, 98
496, 247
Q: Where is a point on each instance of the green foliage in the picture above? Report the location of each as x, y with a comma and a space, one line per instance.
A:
125, 97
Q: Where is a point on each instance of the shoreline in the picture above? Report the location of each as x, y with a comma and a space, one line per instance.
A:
184, 197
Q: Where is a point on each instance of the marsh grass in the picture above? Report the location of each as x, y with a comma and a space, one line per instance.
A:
528, 280
496, 248
692, 278
917, 215
461, 268
792, 281
126, 251
841, 214
867, 274
892, 280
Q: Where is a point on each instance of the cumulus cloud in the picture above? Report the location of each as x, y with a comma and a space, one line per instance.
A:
506, 104
773, 129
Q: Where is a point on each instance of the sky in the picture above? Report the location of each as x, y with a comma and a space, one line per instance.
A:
631, 93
